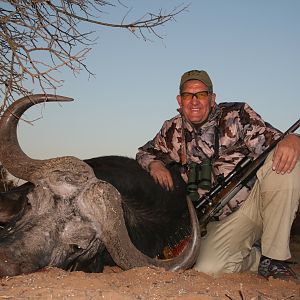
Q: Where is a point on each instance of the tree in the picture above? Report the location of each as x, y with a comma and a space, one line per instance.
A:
39, 37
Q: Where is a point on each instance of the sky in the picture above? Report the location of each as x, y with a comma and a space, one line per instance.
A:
251, 49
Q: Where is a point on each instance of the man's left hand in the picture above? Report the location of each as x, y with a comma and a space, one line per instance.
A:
286, 154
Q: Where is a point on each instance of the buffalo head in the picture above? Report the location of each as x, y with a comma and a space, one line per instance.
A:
68, 214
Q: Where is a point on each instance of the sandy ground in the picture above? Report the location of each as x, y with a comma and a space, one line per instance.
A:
150, 283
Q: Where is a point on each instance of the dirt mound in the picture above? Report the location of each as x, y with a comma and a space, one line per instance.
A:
150, 283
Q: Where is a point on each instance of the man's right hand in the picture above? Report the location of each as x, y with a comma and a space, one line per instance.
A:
161, 175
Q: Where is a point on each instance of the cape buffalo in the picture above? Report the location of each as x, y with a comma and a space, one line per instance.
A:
76, 214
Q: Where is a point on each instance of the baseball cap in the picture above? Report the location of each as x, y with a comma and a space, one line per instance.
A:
196, 75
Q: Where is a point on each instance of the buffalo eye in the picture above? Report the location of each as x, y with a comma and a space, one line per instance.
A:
68, 179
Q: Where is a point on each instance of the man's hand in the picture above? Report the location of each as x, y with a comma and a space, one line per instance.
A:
286, 155
161, 175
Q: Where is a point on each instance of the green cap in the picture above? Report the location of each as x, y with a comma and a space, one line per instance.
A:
196, 75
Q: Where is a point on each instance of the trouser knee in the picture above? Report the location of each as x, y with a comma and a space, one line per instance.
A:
280, 192
271, 181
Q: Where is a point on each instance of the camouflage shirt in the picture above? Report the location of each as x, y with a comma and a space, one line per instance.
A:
233, 130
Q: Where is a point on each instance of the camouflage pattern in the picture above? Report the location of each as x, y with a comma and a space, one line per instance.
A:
242, 132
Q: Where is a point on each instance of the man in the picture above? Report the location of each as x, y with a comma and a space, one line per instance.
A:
223, 134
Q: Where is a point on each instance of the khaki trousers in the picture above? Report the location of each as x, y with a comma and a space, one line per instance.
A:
266, 216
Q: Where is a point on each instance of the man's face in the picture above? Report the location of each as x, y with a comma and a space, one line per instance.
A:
196, 107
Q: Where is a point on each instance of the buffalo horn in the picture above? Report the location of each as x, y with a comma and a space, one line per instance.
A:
11, 155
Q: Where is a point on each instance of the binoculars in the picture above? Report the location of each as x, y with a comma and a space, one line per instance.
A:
199, 176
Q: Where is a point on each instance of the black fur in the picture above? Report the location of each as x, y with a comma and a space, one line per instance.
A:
151, 212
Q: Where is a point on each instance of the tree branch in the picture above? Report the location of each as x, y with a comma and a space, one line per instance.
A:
40, 37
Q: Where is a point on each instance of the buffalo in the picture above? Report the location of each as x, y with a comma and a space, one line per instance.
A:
82, 214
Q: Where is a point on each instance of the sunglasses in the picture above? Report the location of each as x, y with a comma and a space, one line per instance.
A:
185, 96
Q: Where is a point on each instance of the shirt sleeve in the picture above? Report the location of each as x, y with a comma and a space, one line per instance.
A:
160, 148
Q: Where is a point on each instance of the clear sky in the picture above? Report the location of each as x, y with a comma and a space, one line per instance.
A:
251, 49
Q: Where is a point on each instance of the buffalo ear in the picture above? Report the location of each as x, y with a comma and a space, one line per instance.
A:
13, 202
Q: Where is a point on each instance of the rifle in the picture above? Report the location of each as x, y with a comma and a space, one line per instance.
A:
208, 205
213, 201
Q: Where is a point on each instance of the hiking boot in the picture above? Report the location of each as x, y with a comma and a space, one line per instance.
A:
275, 268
